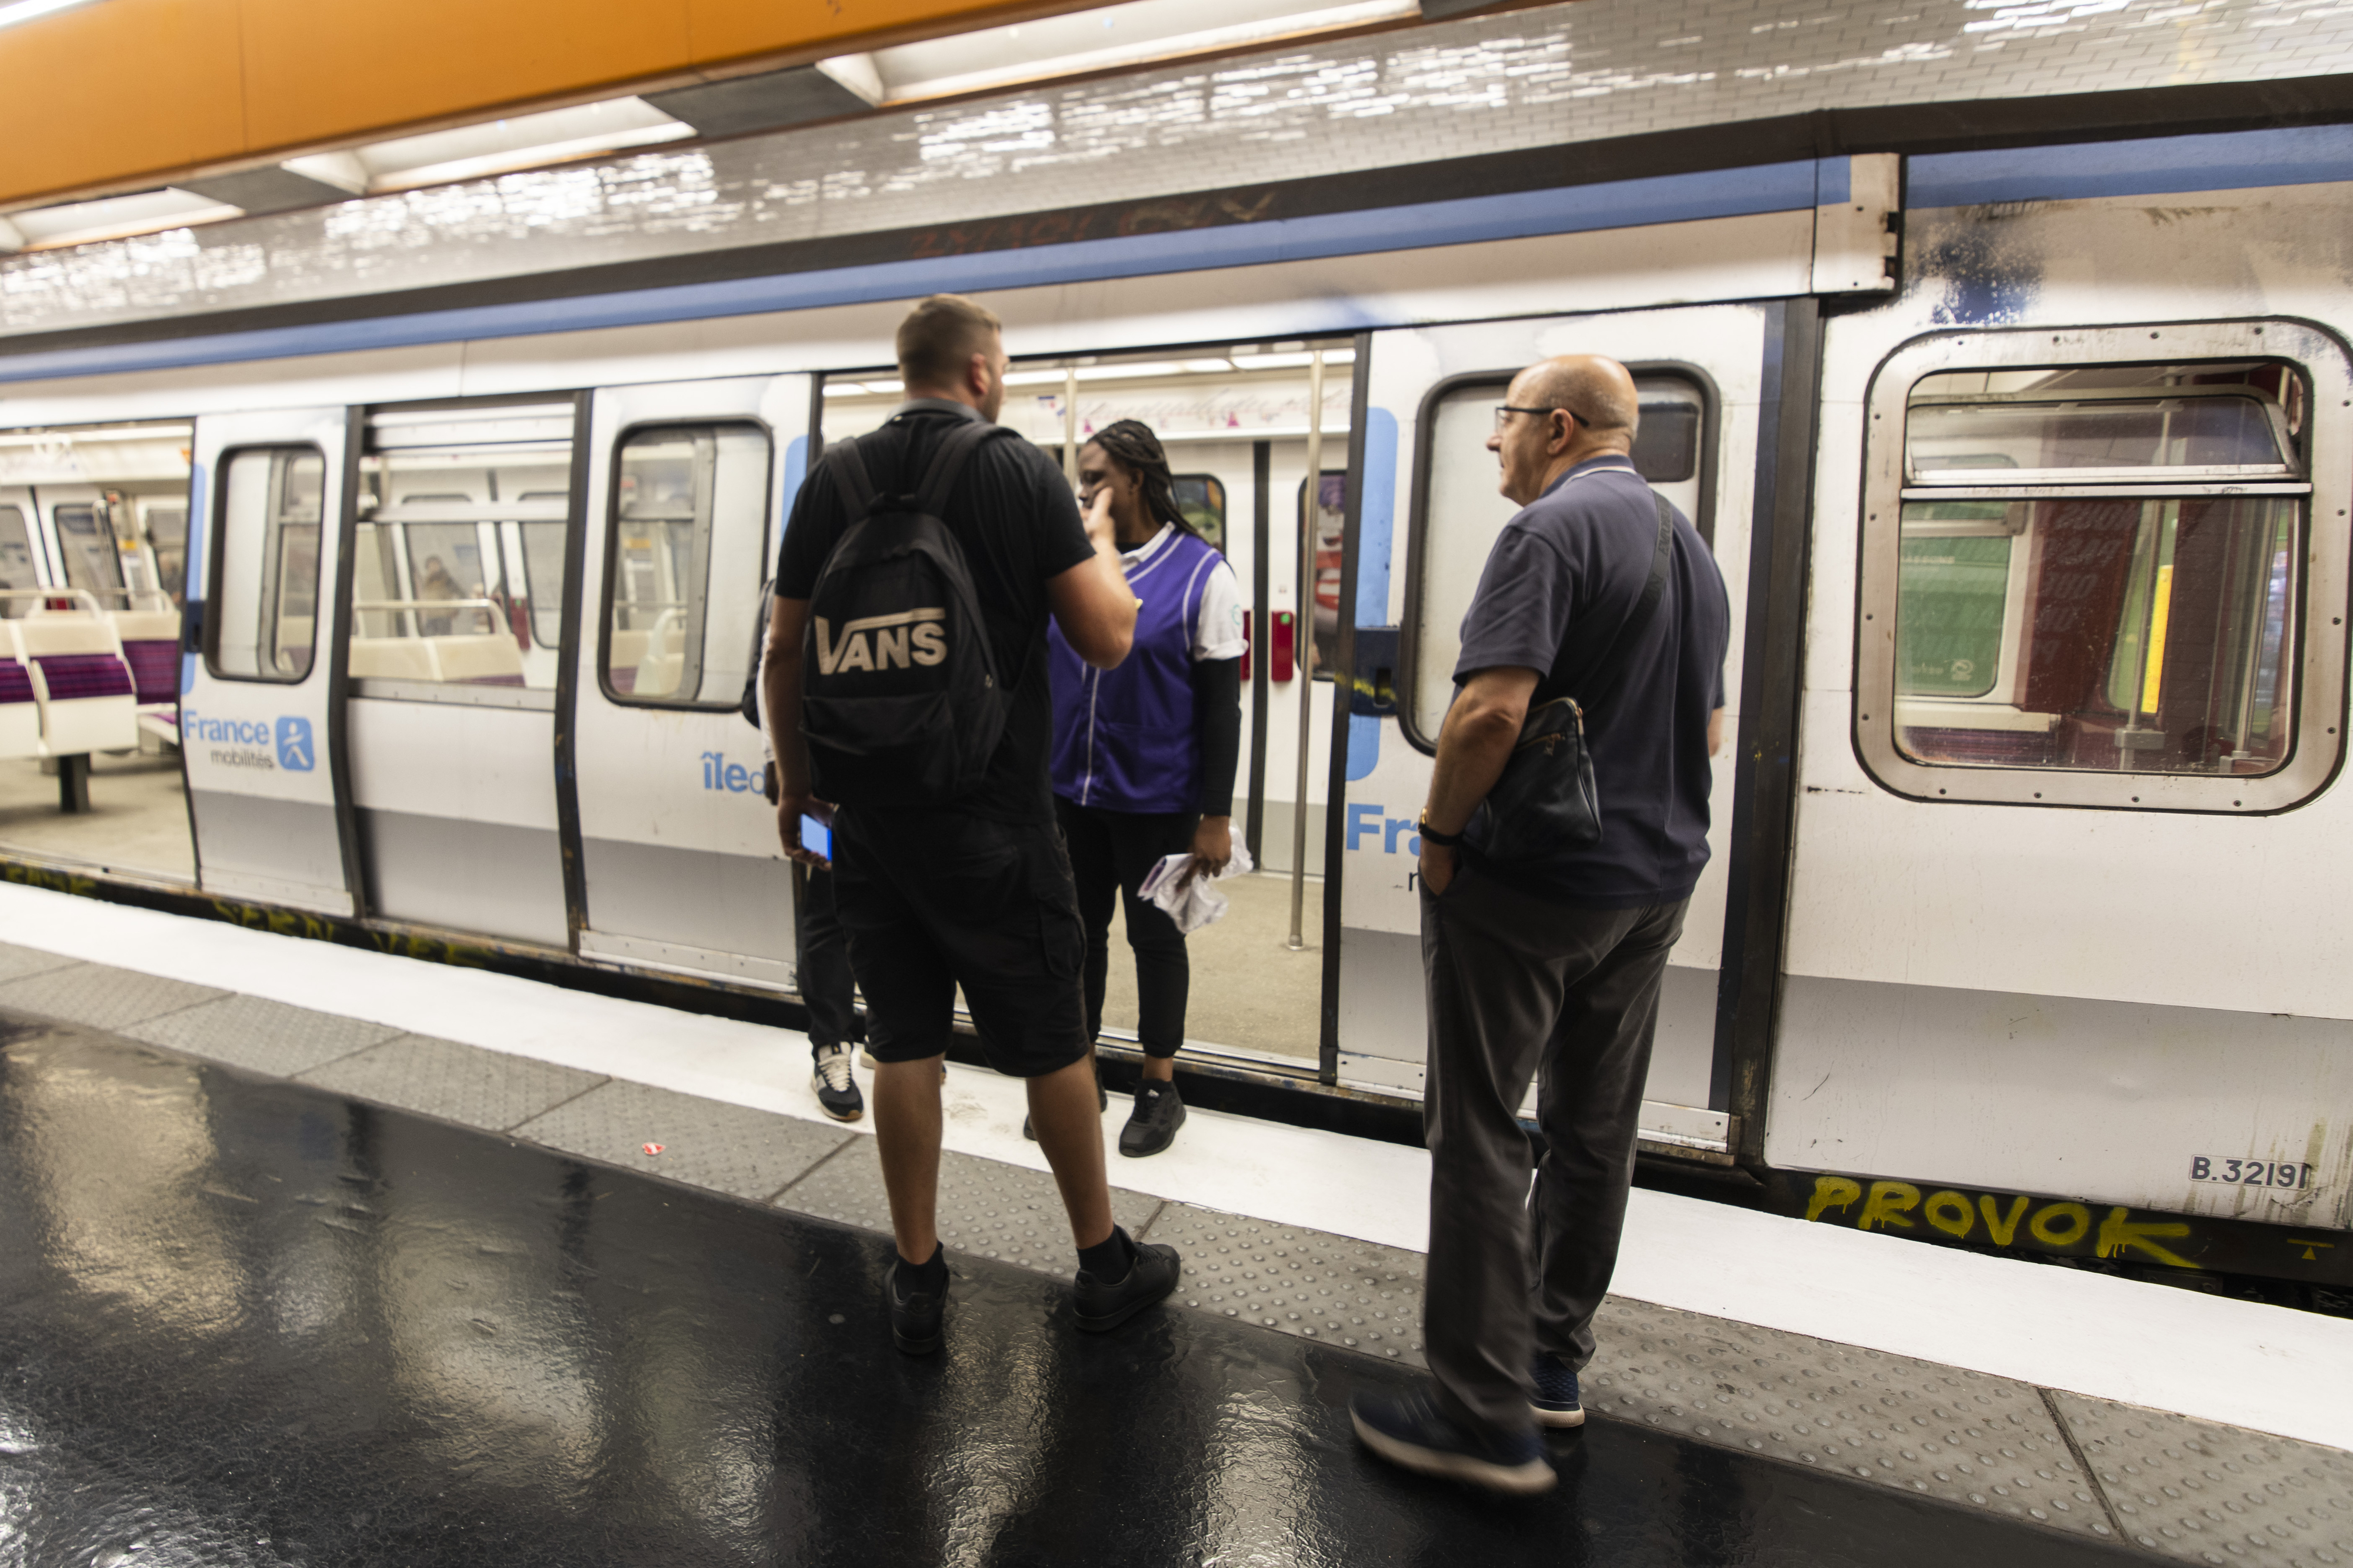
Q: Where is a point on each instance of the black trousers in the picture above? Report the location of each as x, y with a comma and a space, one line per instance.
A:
1111, 852
822, 958
1518, 986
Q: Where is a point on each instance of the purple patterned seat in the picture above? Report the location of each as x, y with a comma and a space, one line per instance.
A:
72, 675
155, 670
15, 682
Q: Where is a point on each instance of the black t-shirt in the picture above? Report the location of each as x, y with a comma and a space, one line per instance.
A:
1562, 576
1013, 514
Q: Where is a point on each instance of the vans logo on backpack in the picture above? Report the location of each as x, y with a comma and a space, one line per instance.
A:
900, 641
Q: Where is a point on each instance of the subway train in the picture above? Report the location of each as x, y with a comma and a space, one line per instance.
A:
2027, 470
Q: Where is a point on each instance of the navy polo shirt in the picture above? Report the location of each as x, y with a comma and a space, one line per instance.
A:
1562, 576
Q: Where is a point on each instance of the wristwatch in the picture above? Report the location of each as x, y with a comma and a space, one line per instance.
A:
1431, 835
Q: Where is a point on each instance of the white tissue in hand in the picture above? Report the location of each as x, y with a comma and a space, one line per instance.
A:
1191, 903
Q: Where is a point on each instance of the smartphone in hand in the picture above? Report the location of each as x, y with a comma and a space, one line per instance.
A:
816, 836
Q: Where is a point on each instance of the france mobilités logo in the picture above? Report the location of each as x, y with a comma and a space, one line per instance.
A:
263, 744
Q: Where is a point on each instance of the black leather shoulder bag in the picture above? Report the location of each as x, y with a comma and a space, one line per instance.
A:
1546, 807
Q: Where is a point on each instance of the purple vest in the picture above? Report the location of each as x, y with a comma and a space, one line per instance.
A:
1123, 738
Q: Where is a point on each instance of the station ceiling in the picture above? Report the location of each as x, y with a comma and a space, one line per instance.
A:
128, 115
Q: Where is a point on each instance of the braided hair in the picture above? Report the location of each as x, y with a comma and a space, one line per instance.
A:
1132, 444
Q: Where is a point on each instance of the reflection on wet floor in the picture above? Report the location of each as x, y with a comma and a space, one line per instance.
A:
247, 1324
137, 821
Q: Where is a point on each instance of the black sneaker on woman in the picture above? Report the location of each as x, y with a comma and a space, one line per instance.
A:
837, 1090
1152, 1125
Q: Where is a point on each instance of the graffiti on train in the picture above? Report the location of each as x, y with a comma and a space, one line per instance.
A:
2002, 1219
267, 745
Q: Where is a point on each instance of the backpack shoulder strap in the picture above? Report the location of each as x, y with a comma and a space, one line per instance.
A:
849, 468
1638, 616
956, 448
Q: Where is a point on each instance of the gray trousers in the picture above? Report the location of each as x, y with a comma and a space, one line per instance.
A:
1520, 988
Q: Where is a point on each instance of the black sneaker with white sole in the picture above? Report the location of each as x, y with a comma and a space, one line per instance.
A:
1101, 1305
1553, 1394
915, 1315
1102, 1103
1409, 1430
1152, 1125
837, 1090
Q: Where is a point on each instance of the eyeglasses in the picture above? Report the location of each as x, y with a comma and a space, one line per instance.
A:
1503, 412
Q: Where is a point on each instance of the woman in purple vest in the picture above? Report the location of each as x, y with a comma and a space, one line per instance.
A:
1145, 755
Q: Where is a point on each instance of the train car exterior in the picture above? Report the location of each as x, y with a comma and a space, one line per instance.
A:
2027, 471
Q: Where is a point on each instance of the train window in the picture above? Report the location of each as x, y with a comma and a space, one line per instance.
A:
450, 500
1457, 513
543, 572
16, 562
265, 564
167, 535
92, 560
2095, 579
688, 554
1202, 499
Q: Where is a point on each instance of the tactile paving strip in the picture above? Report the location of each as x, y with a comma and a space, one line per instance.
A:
262, 1036
16, 962
1303, 1282
2201, 1492
727, 1148
1939, 1431
987, 1208
101, 996
456, 1082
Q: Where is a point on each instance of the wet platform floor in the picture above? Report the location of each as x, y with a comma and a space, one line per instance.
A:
244, 1322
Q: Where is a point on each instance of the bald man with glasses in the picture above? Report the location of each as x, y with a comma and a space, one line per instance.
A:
1598, 590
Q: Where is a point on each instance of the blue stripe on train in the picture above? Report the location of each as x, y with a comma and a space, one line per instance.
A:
2241, 160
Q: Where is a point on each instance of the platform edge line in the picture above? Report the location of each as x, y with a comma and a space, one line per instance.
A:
2075, 1450
772, 1199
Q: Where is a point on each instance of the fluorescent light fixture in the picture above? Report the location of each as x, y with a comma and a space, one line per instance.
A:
109, 433
1292, 361
1127, 372
1107, 37
26, 10
1036, 377
115, 217
497, 146
845, 389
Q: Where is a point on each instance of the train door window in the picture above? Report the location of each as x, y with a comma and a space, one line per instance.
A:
16, 562
1331, 525
543, 572
689, 554
2092, 578
167, 535
1459, 514
92, 560
1202, 499
265, 564
441, 490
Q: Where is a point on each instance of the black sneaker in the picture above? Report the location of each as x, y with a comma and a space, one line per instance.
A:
1101, 1306
837, 1091
915, 1317
1555, 1397
1152, 1125
1102, 1103
1409, 1429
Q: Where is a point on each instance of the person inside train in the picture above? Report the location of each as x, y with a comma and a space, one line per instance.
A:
967, 888
1145, 753
1544, 932
434, 583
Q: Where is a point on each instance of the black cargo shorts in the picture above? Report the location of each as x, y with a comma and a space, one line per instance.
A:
935, 900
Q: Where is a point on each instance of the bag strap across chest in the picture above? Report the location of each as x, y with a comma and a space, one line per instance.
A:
1599, 679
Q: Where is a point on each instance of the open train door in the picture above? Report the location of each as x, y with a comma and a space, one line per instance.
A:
688, 486
254, 707
1428, 514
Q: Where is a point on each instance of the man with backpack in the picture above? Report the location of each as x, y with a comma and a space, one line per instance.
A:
1566, 826
907, 698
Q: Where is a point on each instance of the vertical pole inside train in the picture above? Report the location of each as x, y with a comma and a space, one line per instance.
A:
1071, 426
1262, 617
1311, 507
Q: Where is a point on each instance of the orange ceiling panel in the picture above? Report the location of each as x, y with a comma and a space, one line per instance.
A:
119, 94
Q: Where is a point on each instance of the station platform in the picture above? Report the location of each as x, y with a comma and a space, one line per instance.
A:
316, 1255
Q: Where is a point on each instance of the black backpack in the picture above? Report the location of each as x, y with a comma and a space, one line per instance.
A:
901, 700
